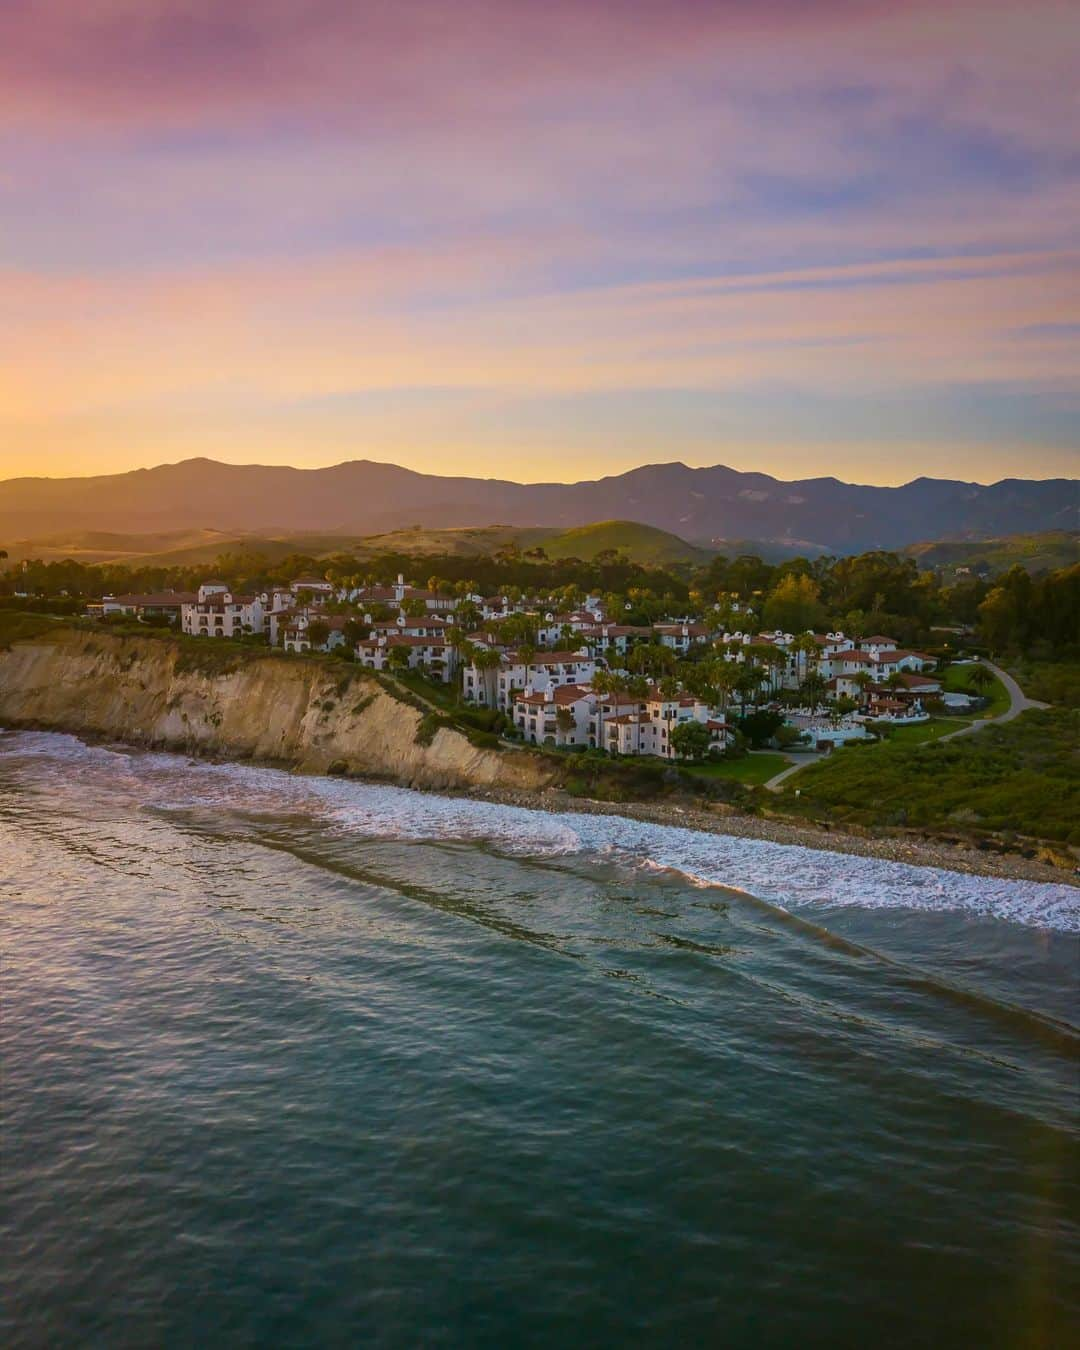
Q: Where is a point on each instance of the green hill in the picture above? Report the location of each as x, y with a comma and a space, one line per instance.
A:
642, 543
1036, 552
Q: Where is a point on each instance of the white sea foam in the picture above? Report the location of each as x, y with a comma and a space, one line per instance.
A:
787, 875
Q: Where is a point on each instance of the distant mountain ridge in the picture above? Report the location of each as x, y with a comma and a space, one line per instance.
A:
697, 504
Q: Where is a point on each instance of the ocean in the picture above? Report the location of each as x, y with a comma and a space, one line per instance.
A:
294, 1061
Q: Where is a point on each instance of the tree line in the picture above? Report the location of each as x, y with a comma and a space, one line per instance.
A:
865, 594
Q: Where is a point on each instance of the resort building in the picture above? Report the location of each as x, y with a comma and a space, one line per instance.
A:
496, 687
559, 716
646, 730
217, 612
295, 629
167, 604
432, 655
680, 636
615, 639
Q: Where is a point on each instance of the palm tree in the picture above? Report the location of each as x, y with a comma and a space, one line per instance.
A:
638, 686
747, 682
804, 646
724, 676
487, 661
980, 678
526, 656
862, 681
651, 658
812, 688
777, 662
602, 686
465, 651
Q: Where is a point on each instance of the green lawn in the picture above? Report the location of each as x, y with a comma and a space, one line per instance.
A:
957, 680
919, 732
753, 769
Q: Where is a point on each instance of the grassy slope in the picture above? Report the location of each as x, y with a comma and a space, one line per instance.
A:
642, 543
1050, 681
1023, 776
15, 626
1048, 549
463, 541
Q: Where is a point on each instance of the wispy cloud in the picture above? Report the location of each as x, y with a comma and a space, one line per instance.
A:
208, 209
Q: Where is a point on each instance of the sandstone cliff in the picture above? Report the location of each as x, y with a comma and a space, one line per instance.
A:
308, 715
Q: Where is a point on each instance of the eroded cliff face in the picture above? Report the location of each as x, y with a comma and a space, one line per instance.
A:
302, 714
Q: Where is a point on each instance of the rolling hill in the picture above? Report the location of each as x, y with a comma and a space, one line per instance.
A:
1037, 552
362, 497
642, 543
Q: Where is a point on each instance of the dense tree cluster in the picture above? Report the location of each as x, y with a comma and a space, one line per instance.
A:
875, 592
1032, 614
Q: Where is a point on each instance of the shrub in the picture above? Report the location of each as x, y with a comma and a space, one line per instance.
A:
16, 627
484, 740
429, 724
1019, 776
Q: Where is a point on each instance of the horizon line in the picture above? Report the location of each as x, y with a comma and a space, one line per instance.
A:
561, 482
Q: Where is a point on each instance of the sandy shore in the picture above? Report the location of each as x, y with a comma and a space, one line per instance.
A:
917, 850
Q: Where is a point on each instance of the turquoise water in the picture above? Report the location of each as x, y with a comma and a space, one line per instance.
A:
295, 1061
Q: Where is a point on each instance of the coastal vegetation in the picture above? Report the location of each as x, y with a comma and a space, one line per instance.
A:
1015, 779
1048, 681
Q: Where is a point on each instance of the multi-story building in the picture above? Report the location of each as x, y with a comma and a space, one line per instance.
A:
543, 670
432, 655
647, 729
295, 629
217, 612
167, 604
558, 716
680, 636
614, 640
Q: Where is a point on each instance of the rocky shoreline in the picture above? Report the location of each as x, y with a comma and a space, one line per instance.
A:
916, 850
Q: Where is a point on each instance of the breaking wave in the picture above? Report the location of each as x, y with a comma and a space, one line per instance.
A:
790, 876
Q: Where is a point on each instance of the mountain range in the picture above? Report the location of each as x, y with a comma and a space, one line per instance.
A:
702, 505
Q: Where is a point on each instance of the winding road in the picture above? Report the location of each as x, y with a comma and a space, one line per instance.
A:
1018, 703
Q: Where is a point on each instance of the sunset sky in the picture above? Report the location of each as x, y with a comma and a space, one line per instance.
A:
541, 239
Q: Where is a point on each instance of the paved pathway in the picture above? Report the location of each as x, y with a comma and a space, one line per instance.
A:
773, 783
1018, 703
